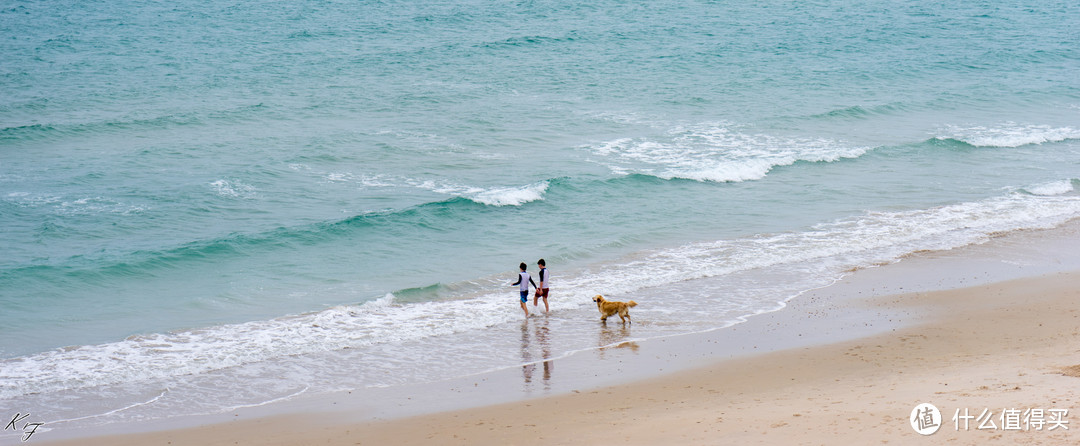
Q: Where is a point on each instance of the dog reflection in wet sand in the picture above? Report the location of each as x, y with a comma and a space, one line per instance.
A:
608, 308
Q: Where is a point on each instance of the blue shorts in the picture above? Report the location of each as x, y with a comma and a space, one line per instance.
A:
524, 296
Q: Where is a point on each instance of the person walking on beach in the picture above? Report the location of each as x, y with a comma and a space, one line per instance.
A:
542, 290
524, 279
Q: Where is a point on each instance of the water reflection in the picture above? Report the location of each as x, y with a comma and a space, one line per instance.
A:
612, 338
535, 330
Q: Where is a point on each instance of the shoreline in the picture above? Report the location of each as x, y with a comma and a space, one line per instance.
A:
880, 306
861, 390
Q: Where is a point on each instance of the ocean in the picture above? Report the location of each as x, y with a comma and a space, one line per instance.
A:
207, 205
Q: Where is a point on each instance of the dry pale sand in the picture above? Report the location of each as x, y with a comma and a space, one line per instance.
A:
1008, 345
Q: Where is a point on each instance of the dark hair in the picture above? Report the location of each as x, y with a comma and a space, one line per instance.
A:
541, 263
523, 266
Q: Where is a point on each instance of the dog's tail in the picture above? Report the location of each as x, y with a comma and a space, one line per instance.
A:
631, 304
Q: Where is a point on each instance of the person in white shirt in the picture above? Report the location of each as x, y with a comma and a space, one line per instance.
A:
524, 279
542, 290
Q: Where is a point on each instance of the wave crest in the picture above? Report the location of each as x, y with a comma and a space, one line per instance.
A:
511, 196
496, 196
1009, 135
490, 196
715, 153
1052, 188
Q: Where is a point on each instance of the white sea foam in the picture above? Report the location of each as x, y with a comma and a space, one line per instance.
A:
713, 152
496, 196
26, 199
1010, 134
384, 301
491, 196
511, 196
96, 205
79, 206
361, 179
831, 248
115, 411
1052, 188
164, 355
233, 189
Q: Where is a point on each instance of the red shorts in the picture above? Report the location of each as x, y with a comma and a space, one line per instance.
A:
541, 292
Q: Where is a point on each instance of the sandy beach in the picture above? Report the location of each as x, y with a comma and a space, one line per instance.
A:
845, 364
1014, 347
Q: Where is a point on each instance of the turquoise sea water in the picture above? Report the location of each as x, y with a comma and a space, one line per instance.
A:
195, 194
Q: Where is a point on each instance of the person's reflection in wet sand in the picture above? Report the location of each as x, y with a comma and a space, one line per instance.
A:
527, 366
541, 332
545, 351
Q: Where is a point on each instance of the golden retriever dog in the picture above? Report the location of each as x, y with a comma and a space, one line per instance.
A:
608, 308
